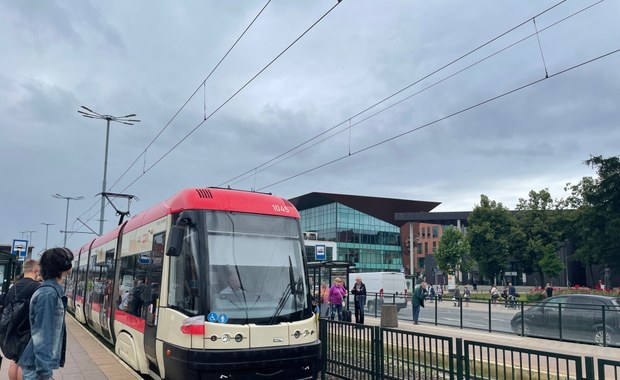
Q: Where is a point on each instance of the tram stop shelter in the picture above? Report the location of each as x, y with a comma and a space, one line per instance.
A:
326, 271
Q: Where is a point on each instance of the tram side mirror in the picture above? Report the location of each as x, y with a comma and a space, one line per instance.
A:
176, 241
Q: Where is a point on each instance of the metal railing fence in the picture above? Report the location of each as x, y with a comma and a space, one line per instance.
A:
351, 351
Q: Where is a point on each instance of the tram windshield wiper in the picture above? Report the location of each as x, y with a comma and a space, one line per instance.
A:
290, 287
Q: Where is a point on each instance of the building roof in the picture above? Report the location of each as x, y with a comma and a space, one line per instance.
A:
445, 218
380, 208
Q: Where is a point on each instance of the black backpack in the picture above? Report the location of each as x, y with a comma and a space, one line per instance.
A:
14, 331
15, 326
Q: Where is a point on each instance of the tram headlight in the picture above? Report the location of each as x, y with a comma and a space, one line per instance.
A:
213, 338
297, 334
306, 333
238, 338
225, 338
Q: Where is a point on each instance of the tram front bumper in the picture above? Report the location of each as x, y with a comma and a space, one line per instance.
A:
290, 362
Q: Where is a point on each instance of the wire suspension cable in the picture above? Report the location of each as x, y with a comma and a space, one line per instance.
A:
143, 154
401, 90
295, 151
232, 96
463, 110
202, 84
255, 170
540, 47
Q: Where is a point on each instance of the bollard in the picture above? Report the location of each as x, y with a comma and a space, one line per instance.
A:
389, 316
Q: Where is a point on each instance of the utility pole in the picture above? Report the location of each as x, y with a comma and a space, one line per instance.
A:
47, 225
58, 196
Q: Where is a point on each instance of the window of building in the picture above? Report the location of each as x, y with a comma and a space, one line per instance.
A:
434, 246
435, 231
425, 247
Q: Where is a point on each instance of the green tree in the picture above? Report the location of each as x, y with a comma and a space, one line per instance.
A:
490, 225
534, 236
597, 217
551, 265
453, 252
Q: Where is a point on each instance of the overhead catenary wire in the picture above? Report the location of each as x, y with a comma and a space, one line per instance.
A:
463, 110
347, 120
233, 95
203, 86
145, 170
296, 150
510, 30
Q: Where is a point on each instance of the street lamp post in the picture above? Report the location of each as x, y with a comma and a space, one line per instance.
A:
47, 226
30, 235
58, 196
127, 119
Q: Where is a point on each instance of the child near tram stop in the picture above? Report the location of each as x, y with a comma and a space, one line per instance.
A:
45, 351
324, 297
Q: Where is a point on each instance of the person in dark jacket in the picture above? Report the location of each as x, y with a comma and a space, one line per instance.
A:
417, 301
46, 349
22, 289
359, 291
457, 296
549, 290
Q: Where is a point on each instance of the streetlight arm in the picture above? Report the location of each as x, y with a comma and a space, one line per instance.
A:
89, 110
127, 120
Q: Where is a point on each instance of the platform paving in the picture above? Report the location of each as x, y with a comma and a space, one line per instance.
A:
87, 358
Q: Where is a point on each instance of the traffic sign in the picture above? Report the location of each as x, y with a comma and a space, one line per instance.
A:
319, 252
20, 247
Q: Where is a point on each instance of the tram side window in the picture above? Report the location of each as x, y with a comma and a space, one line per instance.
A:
79, 291
108, 278
93, 278
183, 291
132, 285
70, 283
97, 280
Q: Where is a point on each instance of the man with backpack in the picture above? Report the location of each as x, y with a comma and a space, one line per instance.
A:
46, 349
14, 323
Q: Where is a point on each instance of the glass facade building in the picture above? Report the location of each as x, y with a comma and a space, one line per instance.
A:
370, 243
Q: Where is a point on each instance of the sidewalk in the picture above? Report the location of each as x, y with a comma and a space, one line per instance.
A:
86, 358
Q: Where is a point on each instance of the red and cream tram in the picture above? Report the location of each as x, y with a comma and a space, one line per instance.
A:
209, 284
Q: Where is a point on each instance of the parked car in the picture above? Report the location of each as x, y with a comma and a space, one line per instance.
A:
575, 317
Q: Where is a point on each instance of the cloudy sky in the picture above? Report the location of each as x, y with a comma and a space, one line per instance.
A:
432, 139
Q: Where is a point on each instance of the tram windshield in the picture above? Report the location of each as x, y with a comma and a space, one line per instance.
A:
255, 268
